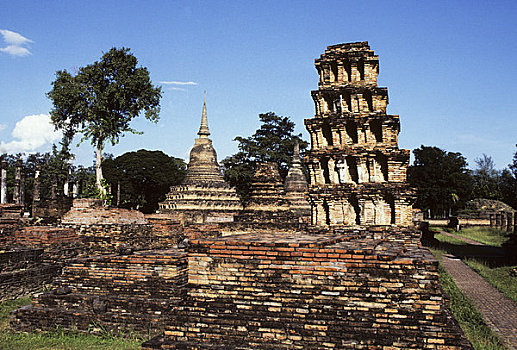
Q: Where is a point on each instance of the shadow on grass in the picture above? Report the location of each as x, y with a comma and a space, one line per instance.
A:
491, 256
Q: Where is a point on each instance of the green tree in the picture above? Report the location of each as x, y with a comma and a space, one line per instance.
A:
513, 166
486, 179
144, 176
508, 183
442, 180
272, 142
508, 188
101, 100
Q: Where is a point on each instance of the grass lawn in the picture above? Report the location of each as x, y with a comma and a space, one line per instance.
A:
469, 318
485, 235
56, 340
499, 277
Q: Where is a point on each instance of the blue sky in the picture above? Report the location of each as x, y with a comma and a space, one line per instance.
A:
449, 66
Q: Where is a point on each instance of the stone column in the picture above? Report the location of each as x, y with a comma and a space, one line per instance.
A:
66, 185
36, 188
118, 194
509, 222
17, 181
22, 185
3, 188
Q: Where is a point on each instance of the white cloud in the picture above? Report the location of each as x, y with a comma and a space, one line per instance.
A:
31, 133
178, 83
2, 127
14, 38
15, 43
14, 50
176, 88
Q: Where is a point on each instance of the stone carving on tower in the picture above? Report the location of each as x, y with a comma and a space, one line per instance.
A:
357, 172
203, 196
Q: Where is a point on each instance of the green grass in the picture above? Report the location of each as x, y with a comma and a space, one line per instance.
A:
499, 277
58, 339
468, 317
450, 240
6, 307
485, 235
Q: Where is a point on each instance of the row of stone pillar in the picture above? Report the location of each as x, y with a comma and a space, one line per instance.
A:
19, 185
504, 221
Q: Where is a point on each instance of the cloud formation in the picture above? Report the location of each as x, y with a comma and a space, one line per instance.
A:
15, 43
31, 133
2, 127
178, 83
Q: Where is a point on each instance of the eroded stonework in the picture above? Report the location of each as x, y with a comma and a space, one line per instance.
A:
203, 196
357, 171
296, 186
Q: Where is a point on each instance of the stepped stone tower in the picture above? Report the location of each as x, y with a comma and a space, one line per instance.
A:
357, 171
295, 186
203, 196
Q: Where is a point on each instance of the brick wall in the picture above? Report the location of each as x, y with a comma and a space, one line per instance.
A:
122, 293
376, 289
23, 272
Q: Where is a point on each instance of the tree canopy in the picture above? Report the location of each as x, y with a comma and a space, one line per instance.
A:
101, 100
442, 180
273, 142
144, 176
486, 179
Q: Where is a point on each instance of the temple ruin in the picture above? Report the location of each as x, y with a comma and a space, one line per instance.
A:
358, 278
357, 171
203, 196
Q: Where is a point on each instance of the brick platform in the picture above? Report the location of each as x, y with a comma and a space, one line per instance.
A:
122, 293
354, 289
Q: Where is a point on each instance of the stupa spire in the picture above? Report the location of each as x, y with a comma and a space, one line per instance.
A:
203, 129
296, 152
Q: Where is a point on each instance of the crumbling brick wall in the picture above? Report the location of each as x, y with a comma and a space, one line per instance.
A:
311, 291
22, 272
121, 293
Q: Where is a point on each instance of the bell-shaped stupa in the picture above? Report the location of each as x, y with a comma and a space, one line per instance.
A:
203, 196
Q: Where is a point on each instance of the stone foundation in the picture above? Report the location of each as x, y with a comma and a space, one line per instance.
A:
358, 290
23, 272
128, 293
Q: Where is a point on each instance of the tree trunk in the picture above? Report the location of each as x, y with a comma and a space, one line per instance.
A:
98, 170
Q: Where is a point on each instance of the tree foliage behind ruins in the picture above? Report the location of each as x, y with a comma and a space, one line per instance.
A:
444, 184
442, 180
273, 142
144, 176
101, 100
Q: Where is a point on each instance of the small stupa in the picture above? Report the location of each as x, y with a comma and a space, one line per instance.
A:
267, 203
203, 196
295, 186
